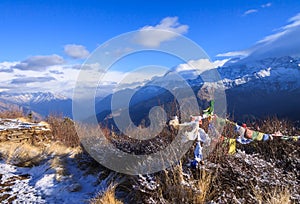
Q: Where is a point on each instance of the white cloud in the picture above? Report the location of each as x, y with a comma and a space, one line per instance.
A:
39, 63
50, 73
57, 79
294, 22
242, 53
200, 65
153, 36
250, 11
28, 80
272, 37
285, 41
56, 72
7, 66
76, 51
63, 78
266, 5
121, 51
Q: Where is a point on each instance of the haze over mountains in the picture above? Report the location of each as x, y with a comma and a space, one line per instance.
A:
260, 88
40, 103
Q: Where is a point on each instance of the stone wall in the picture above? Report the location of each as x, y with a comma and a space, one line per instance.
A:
19, 131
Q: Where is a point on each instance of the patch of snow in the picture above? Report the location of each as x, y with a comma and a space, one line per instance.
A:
6, 124
264, 73
43, 186
17, 187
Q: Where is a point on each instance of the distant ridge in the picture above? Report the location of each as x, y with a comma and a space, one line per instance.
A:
43, 103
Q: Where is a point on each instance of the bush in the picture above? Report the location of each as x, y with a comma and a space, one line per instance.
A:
107, 197
63, 130
24, 155
12, 113
275, 196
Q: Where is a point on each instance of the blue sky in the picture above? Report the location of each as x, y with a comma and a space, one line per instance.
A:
60, 34
44, 27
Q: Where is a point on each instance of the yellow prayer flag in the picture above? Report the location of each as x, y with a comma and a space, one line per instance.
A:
232, 146
260, 136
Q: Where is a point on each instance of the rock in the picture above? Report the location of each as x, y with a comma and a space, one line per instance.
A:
75, 187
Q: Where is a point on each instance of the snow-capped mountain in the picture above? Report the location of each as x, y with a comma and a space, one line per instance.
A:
275, 80
263, 88
282, 72
30, 98
285, 71
42, 103
270, 86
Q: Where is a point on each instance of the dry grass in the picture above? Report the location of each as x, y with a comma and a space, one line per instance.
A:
171, 185
279, 196
21, 154
276, 196
27, 155
13, 113
58, 148
63, 130
174, 188
108, 197
204, 184
273, 124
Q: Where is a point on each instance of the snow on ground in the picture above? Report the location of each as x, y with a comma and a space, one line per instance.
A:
16, 186
42, 184
6, 124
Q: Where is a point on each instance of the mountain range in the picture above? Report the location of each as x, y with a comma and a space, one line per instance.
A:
254, 89
266, 87
257, 89
41, 104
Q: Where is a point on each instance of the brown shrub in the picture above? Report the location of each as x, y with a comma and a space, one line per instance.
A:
275, 196
174, 188
21, 154
273, 124
63, 130
12, 113
107, 197
28, 155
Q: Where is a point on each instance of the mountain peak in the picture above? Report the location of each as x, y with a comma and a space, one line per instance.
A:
27, 97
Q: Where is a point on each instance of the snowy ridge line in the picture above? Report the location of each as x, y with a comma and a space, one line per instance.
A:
6, 124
